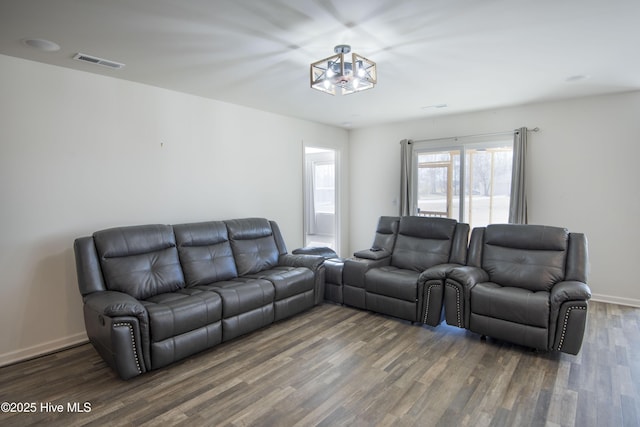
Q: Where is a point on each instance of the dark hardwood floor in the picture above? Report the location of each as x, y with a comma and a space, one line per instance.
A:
338, 366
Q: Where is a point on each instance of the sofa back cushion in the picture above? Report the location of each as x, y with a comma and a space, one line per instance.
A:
205, 252
141, 261
525, 256
253, 245
423, 242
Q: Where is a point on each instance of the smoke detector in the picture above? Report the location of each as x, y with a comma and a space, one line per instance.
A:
42, 44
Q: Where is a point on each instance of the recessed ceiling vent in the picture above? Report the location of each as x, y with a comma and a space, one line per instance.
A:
98, 61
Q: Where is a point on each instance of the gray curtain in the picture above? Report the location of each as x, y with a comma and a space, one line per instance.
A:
518, 202
406, 171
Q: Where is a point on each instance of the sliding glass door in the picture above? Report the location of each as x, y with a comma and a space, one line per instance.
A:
469, 182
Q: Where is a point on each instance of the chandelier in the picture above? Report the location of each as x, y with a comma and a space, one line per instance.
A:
350, 74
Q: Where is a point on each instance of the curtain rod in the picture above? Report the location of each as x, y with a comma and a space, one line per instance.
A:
535, 129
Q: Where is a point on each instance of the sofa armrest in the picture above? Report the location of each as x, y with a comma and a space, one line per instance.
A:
569, 291
115, 304
118, 327
564, 292
437, 272
374, 254
323, 251
312, 262
468, 276
568, 315
457, 289
431, 293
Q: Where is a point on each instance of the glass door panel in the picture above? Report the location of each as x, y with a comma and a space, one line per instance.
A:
438, 184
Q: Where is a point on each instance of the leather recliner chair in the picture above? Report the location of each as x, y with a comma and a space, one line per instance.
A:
523, 283
408, 281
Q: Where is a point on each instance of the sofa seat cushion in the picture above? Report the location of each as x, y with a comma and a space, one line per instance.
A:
247, 305
393, 282
242, 295
288, 281
175, 313
511, 304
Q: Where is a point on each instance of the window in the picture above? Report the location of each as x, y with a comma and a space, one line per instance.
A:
468, 181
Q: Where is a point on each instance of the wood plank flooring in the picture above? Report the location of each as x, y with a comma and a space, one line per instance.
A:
338, 366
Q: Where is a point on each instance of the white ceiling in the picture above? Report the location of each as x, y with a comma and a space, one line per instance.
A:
468, 54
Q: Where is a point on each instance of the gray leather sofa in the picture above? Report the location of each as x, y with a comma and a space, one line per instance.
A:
404, 272
523, 283
154, 294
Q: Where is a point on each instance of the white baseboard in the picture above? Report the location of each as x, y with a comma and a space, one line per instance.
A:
616, 300
42, 349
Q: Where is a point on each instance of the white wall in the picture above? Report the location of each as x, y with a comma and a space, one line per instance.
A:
584, 174
81, 152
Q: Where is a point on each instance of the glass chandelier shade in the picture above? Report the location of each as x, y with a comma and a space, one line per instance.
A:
349, 73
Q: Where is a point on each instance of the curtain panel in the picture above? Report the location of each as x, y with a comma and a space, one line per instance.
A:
406, 173
518, 200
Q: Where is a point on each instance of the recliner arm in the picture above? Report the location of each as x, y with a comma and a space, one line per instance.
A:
118, 326
457, 289
116, 304
568, 291
372, 254
431, 293
323, 251
564, 292
568, 315
312, 262
468, 276
437, 272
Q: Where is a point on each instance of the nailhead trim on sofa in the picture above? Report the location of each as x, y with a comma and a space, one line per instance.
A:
428, 298
133, 343
566, 320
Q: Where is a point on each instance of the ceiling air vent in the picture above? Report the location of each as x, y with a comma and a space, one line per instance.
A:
98, 61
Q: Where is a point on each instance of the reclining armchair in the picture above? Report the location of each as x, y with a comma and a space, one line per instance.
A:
522, 283
405, 278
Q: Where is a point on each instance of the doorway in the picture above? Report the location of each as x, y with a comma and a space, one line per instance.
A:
320, 198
